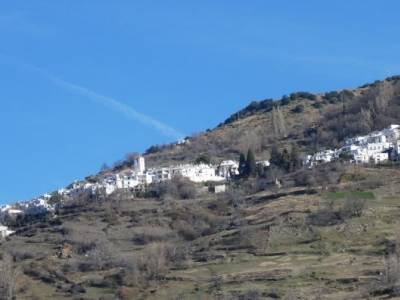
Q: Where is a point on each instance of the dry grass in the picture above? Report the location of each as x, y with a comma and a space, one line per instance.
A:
273, 250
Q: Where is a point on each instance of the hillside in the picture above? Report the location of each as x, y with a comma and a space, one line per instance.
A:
310, 121
327, 232
296, 243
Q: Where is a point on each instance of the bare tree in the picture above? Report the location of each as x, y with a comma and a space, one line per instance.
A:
391, 274
353, 207
101, 254
282, 123
154, 262
383, 95
366, 120
8, 276
278, 123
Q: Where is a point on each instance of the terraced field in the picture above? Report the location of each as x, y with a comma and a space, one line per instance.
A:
288, 244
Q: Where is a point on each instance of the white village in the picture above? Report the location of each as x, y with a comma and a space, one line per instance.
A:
376, 147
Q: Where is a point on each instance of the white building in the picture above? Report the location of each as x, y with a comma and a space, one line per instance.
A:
263, 163
139, 164
217, 189
14, 212
4, 231
196, 173
321, 157
160, 174
374, 147
379, 157
392, 133
123, 181
228, 168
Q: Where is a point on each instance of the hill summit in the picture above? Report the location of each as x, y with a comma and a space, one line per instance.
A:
310, 121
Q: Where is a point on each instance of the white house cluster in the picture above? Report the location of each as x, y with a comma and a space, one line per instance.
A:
375, 147
135, 178
139, 177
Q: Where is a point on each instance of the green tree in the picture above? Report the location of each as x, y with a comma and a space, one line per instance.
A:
285, 163
203, 159
276, 156
294, 157
251, 167
242, 164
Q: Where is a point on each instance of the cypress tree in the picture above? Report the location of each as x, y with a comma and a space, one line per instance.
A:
276, 157
242, 165
285, 160
251, 168
294, 157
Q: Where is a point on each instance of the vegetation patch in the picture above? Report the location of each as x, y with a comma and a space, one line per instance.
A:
356, 194
351, 177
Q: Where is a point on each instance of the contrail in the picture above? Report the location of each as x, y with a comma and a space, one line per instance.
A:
120, 107
106, 101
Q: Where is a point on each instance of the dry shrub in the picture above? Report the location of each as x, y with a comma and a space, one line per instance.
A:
391, 273
177, 188
251, 294
21, 254
8, 278
321, 175
389, 280
191, 230
326, 215
353, 207
154, 261
126, 293
150, 234
253, 239
82, 238
290, 295
293, 229
110, 215
177, 254
132, 275
101, 254
193, 221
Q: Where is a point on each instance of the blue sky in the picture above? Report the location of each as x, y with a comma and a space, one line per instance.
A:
84, 82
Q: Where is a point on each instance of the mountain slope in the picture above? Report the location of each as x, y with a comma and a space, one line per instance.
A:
294, 242
311, 121
330, 232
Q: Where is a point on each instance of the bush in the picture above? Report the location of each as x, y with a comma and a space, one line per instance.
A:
352, 207
154, 261
293, 229
177, 254
8, 277
151, 234
298, 109
325, 217
203, 159
303, 95
322, 175
82, 238
192, 230
317, 105
391, 274
177, 188
19, 255
101, 254
251, 294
